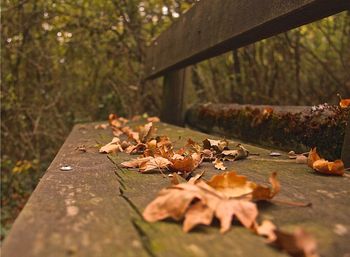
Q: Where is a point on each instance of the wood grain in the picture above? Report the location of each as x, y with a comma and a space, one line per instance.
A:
95, 210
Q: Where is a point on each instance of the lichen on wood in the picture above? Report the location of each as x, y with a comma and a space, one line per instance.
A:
287, 127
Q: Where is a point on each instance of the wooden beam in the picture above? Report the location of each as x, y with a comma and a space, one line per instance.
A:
213, 27
173, 96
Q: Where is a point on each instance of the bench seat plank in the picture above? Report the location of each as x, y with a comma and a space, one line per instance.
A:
95, 209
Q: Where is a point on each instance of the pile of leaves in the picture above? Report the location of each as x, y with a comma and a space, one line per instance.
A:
158, 153
225, 197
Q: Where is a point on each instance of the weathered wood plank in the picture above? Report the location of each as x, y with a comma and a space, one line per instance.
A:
213, 27
109, 202
78, 212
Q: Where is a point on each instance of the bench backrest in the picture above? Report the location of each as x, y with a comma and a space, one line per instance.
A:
213, 27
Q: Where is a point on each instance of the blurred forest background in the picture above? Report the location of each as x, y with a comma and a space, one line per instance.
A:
70, 61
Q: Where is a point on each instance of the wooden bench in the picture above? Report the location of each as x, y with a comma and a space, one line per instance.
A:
95, 209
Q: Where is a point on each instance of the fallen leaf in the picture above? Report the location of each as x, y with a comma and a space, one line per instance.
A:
113, 121
232, 155
297, 244
146, 132
245, 211
199, 213
123, 120
329, 168
186, 164
153, 119
117, 132
313, 156
135, 163
131, 134
194, 146
217, 145
231, 184
163, 141
124, 144
344, 103
219, 164
323, 166
236, 186
193, 180
207, 155
176, 179
265, 193
172, 202
267, 112
136, 149
198, 204
111, 147
158, 163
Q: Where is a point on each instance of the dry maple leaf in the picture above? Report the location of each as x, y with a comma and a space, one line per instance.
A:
155, 163
219, 164
131, 134
136, 149
111, 147
193, 145
135, 163
198, 204
266, 193
185, 164
217, 145
172, 202
323, 166
231, 184
146, 132
297, 244
236, 186
113, 121
163, 141
207, 155
199, 213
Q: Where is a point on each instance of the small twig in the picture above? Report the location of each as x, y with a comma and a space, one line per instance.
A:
161, 172
297, 204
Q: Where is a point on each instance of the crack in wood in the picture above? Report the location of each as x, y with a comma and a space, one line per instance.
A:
144, 238
120, 180
130, 203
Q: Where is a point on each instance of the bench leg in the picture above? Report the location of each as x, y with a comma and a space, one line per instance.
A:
173, 96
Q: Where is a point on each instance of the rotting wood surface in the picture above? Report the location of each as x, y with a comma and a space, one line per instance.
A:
95, 209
